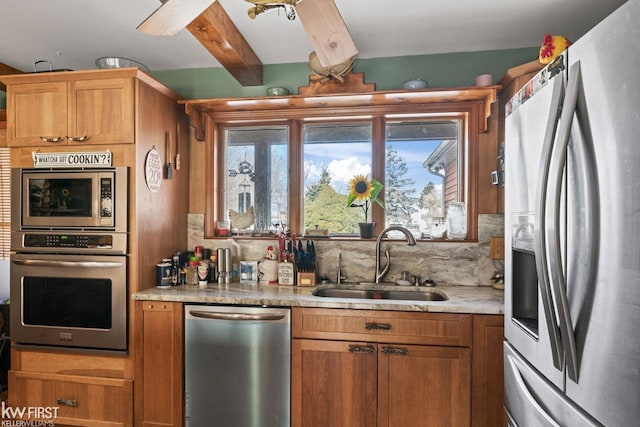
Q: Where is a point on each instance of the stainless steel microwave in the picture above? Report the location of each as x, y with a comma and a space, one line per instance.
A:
69, 199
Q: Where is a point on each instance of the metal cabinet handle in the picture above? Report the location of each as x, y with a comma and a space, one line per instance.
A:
67, 402
393, 351
78, 138
54, 139
361, 349
377, 326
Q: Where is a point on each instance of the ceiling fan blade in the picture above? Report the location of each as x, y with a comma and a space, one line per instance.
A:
327, 31
172, 16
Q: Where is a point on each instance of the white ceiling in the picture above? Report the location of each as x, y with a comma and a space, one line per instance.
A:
71, 34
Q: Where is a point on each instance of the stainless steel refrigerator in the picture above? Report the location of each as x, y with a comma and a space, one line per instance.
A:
572, 224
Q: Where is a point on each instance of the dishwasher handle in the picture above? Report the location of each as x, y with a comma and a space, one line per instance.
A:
237, 316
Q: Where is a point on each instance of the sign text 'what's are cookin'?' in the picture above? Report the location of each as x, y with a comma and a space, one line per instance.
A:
93, 159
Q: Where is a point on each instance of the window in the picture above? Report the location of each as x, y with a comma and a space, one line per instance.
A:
421, 174
291, 159
256, 180
333, 154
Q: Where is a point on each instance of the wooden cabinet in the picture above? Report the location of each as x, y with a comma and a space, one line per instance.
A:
159, 364
71, 112
421, 363
81, 400
334, 383
88, 389
488, 372
3, 128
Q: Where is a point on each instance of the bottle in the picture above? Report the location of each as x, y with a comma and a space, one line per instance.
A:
203, 273
213, 268
285, 273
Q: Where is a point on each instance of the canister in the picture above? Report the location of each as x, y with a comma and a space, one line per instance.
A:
163, 274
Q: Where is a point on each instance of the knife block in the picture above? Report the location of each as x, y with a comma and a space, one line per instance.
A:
307, 278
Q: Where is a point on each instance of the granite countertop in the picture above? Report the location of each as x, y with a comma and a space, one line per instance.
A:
461, 299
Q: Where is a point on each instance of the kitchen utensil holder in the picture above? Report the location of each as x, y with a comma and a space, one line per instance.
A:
306, 278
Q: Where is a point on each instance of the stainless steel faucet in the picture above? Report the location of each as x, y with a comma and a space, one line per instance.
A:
410, 240
340, 277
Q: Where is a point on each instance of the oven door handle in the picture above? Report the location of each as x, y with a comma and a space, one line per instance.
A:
67, 264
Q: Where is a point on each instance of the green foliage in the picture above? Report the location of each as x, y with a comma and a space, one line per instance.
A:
328, 209
400, 203
314, 189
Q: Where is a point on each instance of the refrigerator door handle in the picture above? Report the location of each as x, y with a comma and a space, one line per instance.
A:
540, 226
529, 397
558, 279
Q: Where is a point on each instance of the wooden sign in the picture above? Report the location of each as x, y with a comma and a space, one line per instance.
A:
95, 159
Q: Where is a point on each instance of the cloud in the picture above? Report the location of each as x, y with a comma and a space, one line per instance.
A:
312, 171
342, 171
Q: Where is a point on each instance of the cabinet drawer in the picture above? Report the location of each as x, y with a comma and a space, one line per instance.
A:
382, 326
94, 401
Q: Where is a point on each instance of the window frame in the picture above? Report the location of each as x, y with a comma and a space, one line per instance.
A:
471, 105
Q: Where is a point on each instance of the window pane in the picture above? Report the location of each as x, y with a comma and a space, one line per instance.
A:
256, 178
421, 172
333, 155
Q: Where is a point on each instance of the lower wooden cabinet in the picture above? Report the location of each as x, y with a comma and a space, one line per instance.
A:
159, 364
488, 372
379, 380
423, 386
81, 400
334, 383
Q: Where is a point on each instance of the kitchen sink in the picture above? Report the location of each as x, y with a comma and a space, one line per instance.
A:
410, 295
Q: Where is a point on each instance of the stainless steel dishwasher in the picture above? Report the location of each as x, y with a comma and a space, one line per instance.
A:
237, 366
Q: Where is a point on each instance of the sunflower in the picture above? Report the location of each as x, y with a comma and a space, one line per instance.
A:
360, 188
362, 192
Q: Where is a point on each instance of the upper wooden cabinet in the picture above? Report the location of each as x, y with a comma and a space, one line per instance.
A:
75, 112
3, 128
73, 108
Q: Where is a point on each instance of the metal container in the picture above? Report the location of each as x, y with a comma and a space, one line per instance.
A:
106, 62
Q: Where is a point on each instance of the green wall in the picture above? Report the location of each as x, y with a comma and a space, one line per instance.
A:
440, 70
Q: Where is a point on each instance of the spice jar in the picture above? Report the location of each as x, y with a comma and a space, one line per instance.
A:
192, 271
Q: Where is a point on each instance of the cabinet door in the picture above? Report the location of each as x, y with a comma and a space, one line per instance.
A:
423, 386
36, 111
81, 400
159, 373
101, 111
487, 392
333, 384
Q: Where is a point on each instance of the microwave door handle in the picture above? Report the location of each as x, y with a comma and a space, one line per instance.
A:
558, 278
540, 225
67, 264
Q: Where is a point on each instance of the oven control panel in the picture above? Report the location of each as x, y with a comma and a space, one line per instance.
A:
93, 241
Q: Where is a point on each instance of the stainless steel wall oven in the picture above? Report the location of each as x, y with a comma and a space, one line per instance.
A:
69, 258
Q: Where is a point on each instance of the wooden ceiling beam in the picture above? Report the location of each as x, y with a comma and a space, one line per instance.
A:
6, 69
219, 35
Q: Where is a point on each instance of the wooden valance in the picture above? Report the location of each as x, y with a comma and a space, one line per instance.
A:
432, 101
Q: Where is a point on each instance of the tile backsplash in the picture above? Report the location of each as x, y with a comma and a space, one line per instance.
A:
444, 262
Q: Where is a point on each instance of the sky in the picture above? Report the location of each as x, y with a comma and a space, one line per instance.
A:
354, 159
